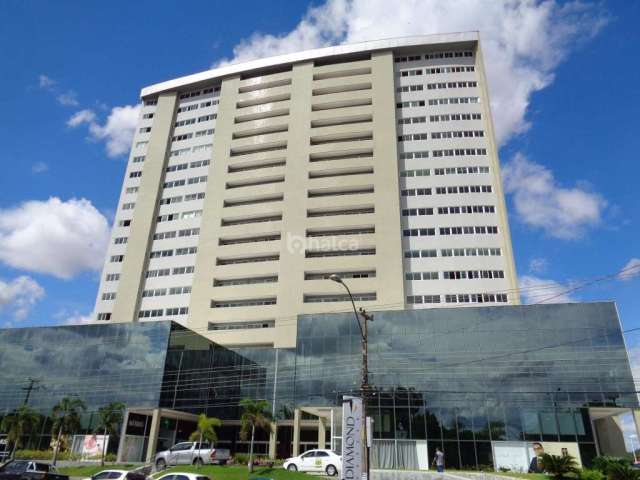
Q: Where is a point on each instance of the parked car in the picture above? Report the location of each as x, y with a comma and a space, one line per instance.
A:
117, 475
325, 461
183, 476
191, 453
29, 470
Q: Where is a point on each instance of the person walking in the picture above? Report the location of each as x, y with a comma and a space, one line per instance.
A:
438, 460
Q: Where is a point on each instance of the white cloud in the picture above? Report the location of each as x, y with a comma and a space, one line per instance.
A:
54, 237
83, 116
77, 318
68, 99
39, 167
45, 82
20, 295
538, 265
118, 130
540, 290
541, 203
523, 40
630, 270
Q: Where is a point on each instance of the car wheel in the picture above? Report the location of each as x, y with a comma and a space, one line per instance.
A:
292, 468
161, 465
198, 462
331, 470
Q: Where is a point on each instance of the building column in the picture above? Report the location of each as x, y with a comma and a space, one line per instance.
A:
123, 433
296, 432
273, 440
153, 434
322, 433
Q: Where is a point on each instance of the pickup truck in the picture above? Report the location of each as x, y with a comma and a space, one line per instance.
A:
29, 470
191, 453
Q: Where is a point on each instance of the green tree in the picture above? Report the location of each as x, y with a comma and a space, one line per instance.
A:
109, 418
256, 414
206, 430
559, 467
18, 423
66, 419
622, 471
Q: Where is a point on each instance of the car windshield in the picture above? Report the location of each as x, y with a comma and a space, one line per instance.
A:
16, 466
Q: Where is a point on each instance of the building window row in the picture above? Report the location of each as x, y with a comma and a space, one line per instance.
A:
347, 274
169, 253
187, 198
132, 190
448, 117
142, 143
458, 134
226, 222
182, 182
204, 133
195, 106
252, 239
461, 170
136, 174
458, 298
242, 325
421, 276
150, 102
187, 232
456, 152
469, 230
158, 312
251, 259
116, 258
103, 316
245, 281
410, 120
128, 206
453, 189
196, 93
120, 240
339, 253
340, 297
413, 137
144, 130
165, 272
138, 159
109, 296
410, 88
414, 72
124, 223
453, 100
161, 292
441, 85
455, 252
421, 172
184, 123
411, 104
412, 155
432, 56
472, 274
112, 277
195, 149
469, 209
252, 302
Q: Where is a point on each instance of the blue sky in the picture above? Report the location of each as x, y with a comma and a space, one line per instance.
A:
564, 85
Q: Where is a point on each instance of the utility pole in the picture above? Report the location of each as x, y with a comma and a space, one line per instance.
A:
32, 383
364, 385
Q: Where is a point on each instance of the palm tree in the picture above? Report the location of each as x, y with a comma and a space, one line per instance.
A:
256, 414
558, 467
17, 423
205, 431
66, 418
109, 418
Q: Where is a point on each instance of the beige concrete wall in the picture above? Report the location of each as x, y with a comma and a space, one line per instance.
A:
143, 222
501, 207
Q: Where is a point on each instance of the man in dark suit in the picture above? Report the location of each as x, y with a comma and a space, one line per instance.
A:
536, 464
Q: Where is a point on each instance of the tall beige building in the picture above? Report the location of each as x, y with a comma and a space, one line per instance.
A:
248, 185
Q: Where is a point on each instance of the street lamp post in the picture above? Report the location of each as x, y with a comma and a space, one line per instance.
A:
364, 385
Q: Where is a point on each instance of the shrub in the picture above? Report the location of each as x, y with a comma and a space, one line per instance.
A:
590, 474
622, 471
44, 455
559, 467
604, 462
241, 458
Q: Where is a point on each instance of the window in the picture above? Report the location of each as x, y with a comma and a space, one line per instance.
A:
199, 163
131, 190
139, 159
191, 214
144, 130
202, 133
103, 316
202, 148
182, 270
161, 253
187, 121
109, 296
206, 118
120, 240
162, 272
158, 292
136, 174
128, 206
186, 251
164, 235
243, 303
151, 102
124, 223
181, 138
177, 153
112, 277
194, 196
116, 259
142, 144
419, 232
150, 313
338, 297
177, 311
171, 200
195, 180
187, 232
188, 108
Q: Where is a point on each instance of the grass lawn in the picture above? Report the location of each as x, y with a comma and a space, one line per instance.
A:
88, 470
226, 472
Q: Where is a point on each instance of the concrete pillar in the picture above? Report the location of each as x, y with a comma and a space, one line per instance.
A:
153, 434
123, 432
322, 433
296, 432
273, 440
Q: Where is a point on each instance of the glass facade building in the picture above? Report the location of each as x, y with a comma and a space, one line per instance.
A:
462, 379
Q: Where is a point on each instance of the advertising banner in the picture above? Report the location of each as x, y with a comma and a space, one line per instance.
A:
524, 456
90, 446
351, 438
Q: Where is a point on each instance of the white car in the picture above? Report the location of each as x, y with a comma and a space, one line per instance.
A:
116, 475
182, 476
319, 461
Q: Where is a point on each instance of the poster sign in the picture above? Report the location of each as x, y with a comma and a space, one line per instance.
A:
92, 445
351, 438
523, 456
